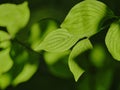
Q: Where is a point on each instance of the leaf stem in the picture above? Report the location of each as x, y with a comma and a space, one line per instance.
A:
26, 47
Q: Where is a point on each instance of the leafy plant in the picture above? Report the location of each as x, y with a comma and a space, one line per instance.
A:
59, 45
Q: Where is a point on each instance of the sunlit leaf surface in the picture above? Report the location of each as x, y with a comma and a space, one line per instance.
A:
85, 18
57, 41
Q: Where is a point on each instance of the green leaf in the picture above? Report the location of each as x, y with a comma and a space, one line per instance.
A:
4, 36
14, 17
112, 40
5, 45
85, 18
5, 61
27, 72
5, 80
79, 48
57, 41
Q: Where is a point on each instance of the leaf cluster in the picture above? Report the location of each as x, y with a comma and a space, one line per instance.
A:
58, 45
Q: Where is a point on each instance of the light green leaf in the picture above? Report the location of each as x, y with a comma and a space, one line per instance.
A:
5, 80
4, 36
85, 18
5, 44
5, 61
14, 17
57, 41
112, 40
27, 72
79, 48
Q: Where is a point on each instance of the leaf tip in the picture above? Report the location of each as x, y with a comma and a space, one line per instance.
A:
78, 75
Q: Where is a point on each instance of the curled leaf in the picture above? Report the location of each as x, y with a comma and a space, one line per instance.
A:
79, 48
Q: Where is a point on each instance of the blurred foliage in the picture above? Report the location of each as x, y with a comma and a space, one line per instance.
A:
28, 70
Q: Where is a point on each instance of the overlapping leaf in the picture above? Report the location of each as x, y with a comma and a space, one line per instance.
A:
79, 48
57, 41
39, 30
112, 40
85, 18
14, 17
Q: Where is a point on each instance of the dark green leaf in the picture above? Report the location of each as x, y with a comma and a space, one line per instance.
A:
58, 64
